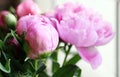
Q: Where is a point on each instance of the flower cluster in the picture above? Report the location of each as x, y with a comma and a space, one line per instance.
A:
28, 39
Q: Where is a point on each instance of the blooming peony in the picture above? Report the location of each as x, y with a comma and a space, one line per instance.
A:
39, 33
27, 7
83, 28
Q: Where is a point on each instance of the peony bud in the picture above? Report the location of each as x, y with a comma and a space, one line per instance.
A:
7, 19
27, 7
40, 34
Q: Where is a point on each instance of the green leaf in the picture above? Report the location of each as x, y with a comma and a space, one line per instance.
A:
5, 68
77, 73
26, 47
74, 59
42, 66
45, 55
43, 74
4, 55
1, 45
15, 36
0, 74
12, 10
55, 66
54, 56
7, 37
67, 71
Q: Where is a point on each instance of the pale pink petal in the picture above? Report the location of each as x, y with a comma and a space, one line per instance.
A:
105, 34
54, 22
77, 31
90, 55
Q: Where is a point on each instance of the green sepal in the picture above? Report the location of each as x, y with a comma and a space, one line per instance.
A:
2, 46
44, 55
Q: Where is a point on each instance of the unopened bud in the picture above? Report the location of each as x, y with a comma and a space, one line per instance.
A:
10, 20
7, 20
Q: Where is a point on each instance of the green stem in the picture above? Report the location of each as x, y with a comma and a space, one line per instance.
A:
66, 53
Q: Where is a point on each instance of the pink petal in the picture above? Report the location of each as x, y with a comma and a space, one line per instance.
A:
77, 31
91, 55
54, 22
105, 34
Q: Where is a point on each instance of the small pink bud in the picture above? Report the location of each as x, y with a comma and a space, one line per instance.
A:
7, 19
2, 21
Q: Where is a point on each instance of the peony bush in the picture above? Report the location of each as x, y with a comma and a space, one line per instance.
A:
29, 40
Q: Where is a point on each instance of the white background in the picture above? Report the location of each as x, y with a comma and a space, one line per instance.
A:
108, 10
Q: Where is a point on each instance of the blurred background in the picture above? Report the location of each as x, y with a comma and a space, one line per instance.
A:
5, 4
108, 9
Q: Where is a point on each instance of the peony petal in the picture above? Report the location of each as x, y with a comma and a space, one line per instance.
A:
91, 55
54, 22
105, 34
77, 31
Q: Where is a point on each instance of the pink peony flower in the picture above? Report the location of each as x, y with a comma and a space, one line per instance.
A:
39, 33
83, 28
27, 7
